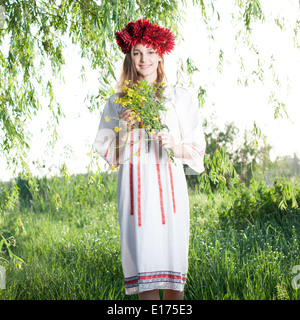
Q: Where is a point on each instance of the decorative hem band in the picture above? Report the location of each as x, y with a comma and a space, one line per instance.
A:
146, 281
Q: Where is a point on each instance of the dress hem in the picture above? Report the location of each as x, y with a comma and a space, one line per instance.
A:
147, 287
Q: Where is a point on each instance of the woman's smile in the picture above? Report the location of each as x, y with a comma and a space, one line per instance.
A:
145, 66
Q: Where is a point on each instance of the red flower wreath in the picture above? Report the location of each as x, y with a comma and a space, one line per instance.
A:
141, 31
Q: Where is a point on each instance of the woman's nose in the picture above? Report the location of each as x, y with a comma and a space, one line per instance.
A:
142, 58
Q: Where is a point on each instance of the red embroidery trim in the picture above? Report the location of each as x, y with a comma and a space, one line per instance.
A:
131, 174
154, 277
168, 276
200, 153
160, 189
139, 181
172, 185
162, 276
109, 146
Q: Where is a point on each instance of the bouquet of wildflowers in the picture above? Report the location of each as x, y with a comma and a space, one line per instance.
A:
143, 99
146, 102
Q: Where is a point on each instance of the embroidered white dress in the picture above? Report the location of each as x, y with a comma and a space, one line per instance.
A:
152, 195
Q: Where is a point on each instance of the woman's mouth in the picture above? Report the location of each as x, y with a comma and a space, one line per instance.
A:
145, 66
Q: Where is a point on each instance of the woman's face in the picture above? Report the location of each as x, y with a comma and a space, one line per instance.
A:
146, 62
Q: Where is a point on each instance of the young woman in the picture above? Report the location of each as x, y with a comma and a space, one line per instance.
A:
152, 194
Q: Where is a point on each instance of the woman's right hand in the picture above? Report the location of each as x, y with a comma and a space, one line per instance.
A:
127, 120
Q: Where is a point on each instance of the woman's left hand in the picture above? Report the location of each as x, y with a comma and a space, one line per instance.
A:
166, 140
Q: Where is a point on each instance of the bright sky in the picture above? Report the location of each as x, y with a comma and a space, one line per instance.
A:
227, 100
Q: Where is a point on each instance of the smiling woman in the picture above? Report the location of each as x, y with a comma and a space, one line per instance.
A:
146, 61
152, 195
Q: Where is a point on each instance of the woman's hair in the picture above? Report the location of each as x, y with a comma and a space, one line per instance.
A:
129, 73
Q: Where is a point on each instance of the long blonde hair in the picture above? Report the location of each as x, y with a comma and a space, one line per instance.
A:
129, 73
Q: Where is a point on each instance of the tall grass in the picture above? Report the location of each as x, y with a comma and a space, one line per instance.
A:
73, 252
250, 263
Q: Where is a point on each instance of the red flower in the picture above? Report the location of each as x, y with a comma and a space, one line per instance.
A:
141, 31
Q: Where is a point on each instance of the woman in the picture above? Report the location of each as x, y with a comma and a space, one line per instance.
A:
152, 195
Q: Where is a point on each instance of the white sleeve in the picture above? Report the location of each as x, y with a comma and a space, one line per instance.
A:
192, 135
105, 141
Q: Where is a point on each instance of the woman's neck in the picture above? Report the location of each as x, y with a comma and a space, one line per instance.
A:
149, 79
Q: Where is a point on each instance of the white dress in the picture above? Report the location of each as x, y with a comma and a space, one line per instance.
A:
152, 195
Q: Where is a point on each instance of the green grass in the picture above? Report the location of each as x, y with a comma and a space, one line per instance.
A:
76, 255
66, 258
254, 262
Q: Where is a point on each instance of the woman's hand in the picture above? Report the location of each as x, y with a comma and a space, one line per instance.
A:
166, 140
127, 120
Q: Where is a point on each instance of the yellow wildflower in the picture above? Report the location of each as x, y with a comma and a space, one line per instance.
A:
118, 100
107, 119
130, 92
117, 129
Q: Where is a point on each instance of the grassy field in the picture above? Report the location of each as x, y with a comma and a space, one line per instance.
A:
74, 253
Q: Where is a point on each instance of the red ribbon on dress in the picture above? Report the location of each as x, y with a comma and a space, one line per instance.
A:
131, 173
139, 181
172, 185
160, 188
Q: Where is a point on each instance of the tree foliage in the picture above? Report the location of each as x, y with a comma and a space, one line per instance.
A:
32, 34
231, 158
32, 39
